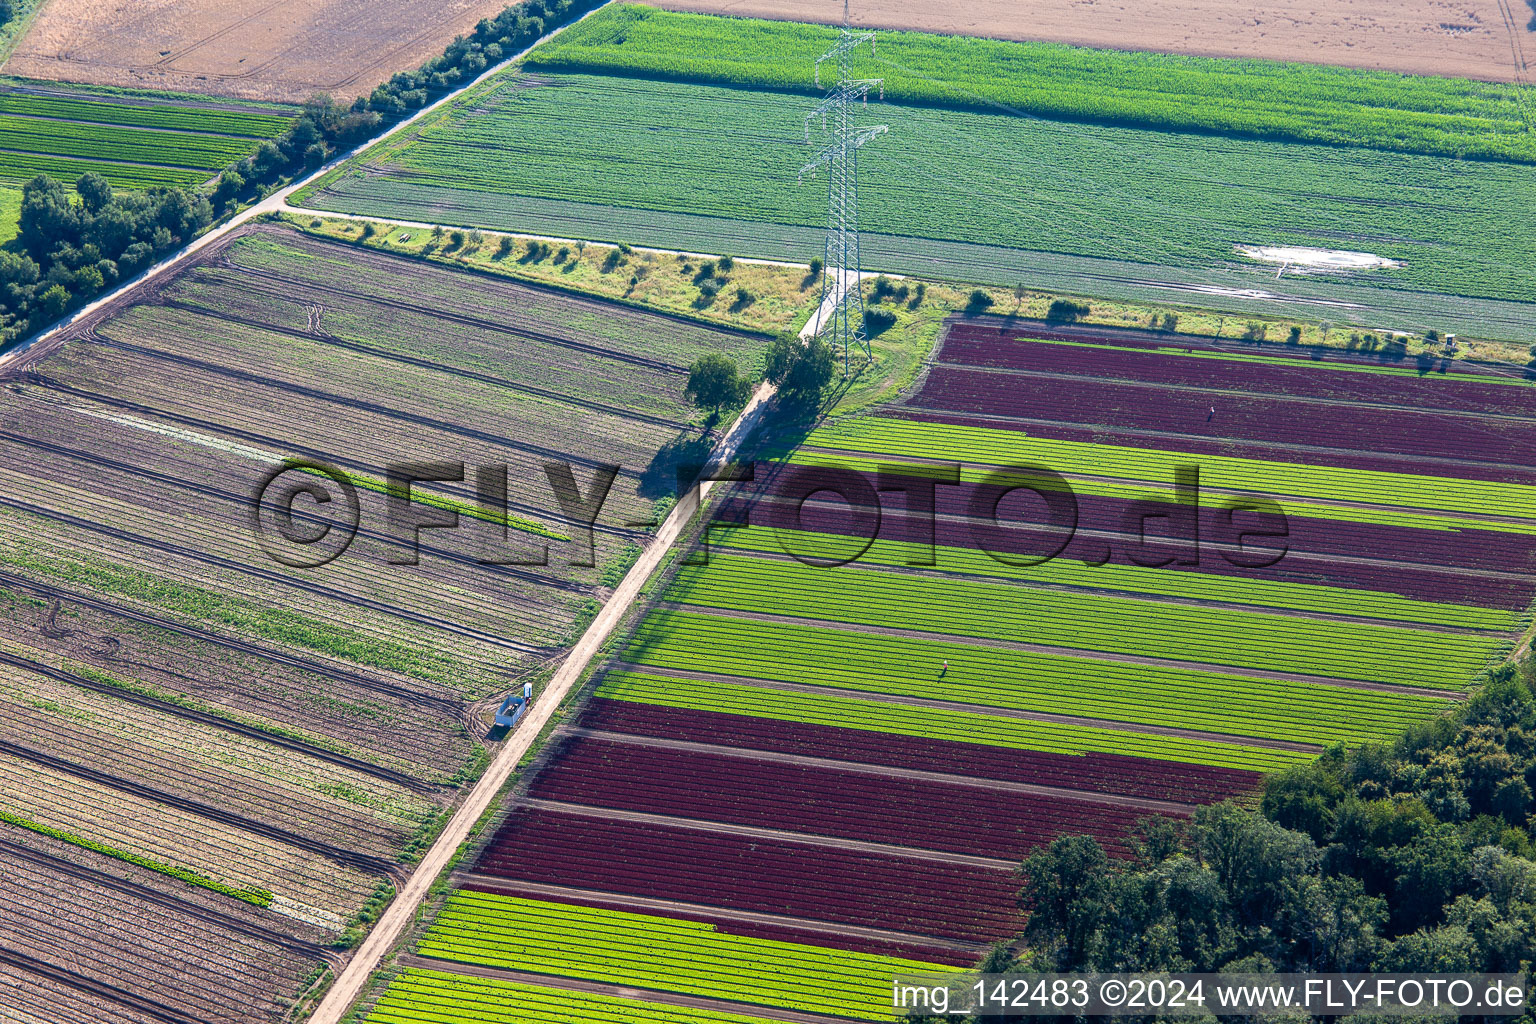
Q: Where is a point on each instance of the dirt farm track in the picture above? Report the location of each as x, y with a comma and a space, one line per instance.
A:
283, 50
1467, 38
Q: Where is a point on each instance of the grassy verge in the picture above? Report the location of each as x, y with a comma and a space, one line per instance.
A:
778, 298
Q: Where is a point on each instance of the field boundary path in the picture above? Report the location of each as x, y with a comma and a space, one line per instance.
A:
277, 202
401, 913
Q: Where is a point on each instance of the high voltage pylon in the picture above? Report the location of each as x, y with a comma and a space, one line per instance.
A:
840, 263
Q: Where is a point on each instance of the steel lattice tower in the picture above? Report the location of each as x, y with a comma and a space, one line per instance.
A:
841, 155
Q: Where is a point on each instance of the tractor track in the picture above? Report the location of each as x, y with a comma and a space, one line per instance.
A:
466, 320
94, 987
408, 696
205, 718
316, 334
331, 398
329, 593
187, 908
42, 381
299, 512
340, 855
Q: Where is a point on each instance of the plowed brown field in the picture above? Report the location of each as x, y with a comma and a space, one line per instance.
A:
252, 49
1468, 38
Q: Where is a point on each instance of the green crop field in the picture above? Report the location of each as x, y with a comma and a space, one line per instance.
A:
942, 178
1227, 704
1087, 622
887, 718
417, 995
661, 953
1300, 102
905, 439
1128, 579
134, 140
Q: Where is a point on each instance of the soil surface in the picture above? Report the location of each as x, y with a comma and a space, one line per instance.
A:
1467, 38
250, 49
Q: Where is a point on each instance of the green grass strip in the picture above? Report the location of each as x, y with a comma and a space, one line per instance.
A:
934, 723
1129, 579
994, 447
1226, 704
255, 897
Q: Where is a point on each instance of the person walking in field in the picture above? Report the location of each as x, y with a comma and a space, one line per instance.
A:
528, 692
945, 669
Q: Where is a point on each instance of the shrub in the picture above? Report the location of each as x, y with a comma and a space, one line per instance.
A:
817, 266
727, 264
978, 302
504, 248
918, 295
1294, 338
1065, 311
744, 298
612, 261
563, 255
367, 231
1255, 331
801, 372
877, 321
456, 240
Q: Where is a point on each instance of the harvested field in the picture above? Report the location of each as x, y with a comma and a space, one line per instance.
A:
176, 699
1469, 38
248, 49
73, 942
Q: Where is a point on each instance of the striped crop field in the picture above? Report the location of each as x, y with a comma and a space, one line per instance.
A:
827, 745
134, 140
1086, 171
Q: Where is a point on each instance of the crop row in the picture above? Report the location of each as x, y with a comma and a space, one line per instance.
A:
1278, 373
1104, 192
116, 143
1010, 612
1305, 102
984, 676
919, 896
1424, 564
1187, 419
25, 166
967, 819
872, 730
632, 703
1134, 579
416, 996
995, 447
661, 953
175, 117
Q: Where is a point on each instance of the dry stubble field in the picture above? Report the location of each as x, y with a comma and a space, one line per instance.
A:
1467, 38
251, 49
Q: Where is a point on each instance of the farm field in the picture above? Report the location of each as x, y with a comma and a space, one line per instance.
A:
851, 758
192, 703
134, 140
1413, 37
1269, 99
1113, 210
287, 54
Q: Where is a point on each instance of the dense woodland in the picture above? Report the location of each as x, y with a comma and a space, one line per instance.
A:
1416, 856
73, 243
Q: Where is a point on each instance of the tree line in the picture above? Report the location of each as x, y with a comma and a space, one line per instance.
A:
1414, 856
71, 247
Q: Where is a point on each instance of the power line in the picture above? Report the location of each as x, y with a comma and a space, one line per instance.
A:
841, 261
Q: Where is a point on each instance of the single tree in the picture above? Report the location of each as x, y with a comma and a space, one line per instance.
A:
713, 382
